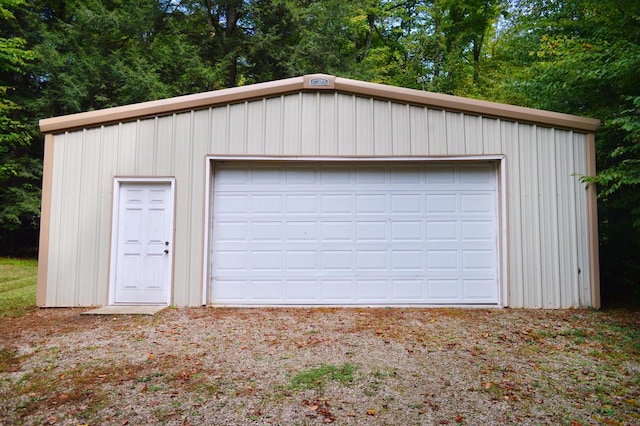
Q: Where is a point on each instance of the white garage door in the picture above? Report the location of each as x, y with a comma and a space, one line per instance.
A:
390, 234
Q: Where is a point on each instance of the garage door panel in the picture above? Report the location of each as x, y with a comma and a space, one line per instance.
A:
353, 234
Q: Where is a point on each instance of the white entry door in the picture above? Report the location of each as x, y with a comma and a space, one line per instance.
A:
346, 234
143, 243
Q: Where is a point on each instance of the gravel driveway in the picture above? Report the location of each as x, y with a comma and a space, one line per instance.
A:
314, 366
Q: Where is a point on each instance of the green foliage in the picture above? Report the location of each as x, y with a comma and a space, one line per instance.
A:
17, 286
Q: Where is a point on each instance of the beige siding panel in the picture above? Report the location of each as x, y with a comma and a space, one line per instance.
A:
291, 124
237, 129
309, 124
108, 157
364, 129
89, 217
529, 166
201, 137
219, 143
328, 124
183, 205
164, 146
255, 127
455, 133
492, 137
550, 268
567, 246
273, 126
401, 128
580, 168
419, 130
382, 128
127, 142
514, 211
437, 132
473, 135
346, 125
55, 255
69, 203
146, 147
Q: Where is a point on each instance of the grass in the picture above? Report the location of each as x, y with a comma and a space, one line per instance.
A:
319, 376
17, 286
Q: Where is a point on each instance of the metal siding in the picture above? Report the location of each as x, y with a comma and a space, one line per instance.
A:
550, 273
55, 254
580, 168
89, 214
364, 128
183, 165
145, 147
291, 125
455, 133
328, 124
255, 127
382, 127
419, 130
437, 132
401, 129
165, 147
568, 257
473, 135
511, 150
491, 136
273, 126
237, 129
309, 130
127, 142
346, 125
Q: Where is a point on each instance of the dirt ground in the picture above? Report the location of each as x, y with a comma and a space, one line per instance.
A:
303, 366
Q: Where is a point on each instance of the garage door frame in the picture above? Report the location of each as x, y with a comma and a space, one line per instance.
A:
500, 161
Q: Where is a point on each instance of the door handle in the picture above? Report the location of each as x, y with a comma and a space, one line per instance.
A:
166, 251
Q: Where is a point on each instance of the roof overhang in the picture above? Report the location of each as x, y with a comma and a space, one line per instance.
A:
317, 82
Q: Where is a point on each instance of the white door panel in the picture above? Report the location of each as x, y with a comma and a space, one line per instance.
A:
354, 234
143, 243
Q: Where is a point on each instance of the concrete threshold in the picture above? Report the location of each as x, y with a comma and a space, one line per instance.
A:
126, 310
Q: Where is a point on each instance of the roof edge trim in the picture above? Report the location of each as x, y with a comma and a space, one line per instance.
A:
314, 82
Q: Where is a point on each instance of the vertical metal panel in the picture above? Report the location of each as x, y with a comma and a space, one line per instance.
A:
165, 147
219, 130
419, 130
582, 234
401, 128
273, 126
183, 165
291, 125
127, 141
567, 244
56, 256
455, 133
382, 127
510, 133
255, 127
437, 132
309, 124
89, 214
530, 214
364, 129
346, 125
328, 124
237, 129
473, 135
491, 136
146, 145
547, 184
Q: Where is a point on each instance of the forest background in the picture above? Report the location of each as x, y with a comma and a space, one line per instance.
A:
573, 56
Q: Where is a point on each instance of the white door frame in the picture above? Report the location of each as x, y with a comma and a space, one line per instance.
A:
501, 176
117, 183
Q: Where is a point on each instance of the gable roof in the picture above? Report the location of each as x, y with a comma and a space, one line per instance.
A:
317, 82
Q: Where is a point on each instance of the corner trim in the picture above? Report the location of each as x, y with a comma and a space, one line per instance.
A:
45, 221
592, 220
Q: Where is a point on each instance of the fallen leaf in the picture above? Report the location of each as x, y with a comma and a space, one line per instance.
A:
151, 356
371, 412
313, 408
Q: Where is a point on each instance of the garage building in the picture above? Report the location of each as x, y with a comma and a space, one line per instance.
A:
318, 190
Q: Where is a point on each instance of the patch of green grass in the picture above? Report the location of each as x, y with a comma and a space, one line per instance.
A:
318, 377
18, 279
